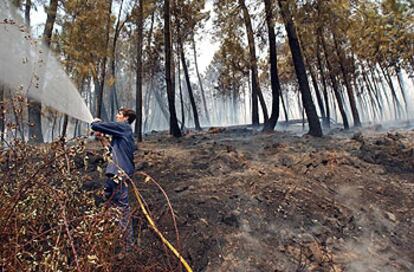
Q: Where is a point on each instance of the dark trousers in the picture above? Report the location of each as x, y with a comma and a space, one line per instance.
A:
117, 194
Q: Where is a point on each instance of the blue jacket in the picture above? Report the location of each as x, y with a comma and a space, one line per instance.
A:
122, 146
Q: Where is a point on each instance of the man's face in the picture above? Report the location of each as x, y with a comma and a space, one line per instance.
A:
120, 117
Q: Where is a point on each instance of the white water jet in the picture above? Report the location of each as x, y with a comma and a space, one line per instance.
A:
29, 68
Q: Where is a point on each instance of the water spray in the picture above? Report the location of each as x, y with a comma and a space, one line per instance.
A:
30, 69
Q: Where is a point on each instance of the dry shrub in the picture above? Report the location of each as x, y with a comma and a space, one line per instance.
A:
50, 221
47, 222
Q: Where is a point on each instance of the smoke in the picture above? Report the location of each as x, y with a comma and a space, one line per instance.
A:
29, 68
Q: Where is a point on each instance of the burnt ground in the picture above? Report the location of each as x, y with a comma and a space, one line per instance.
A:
248, 201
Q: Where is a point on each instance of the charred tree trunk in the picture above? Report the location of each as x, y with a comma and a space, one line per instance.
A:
181, 97
256, 92
189, 88
326, 122
203, 95
174, 129
371, 95
35, 108
334, 83
350, 91
397, 104
284, 107
314, 82
150, 88
371, 80
99, 102
400, 83
50, 21
374, 99
113, 95
274, 74
161, 104
65, 126
314, 124
27, 8
2, 111
140, 32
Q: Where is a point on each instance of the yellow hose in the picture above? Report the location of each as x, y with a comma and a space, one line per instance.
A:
148, 217
154, 227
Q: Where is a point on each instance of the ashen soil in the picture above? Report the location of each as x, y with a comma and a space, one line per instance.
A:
248, 201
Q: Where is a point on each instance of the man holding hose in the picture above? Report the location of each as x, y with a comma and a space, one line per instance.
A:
122, 149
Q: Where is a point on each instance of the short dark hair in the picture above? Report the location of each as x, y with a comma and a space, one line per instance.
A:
128, 113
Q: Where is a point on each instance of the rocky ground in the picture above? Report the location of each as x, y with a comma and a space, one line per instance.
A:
248, 201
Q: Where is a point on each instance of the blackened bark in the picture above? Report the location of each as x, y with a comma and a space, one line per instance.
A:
189, 88
140, 33
2, 110
326, 122
370, 93
314, 124
27, 8
400, 83
284, 107
256, 92
35, 108
203, 95
314, 82
50, 21
350, 91
274, 74
35, 121
181, 97
161, 104
149, 88
65, 125
334, 82
99, 102
397, 104
174, 129
113, 108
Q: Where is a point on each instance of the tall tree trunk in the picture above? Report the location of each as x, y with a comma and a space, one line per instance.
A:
150, 86
161, 104
203, 95
18, 116
181, 97
140, 33
147, 100
374, 105
401, 84
334, 83
256, 92
50, 21
350, 91
27, 9
35, 108
372, 93
113, 94
189, 88
2, 111
65, 125
377, 96
327, 121
314, 81
314, 124
174, 129
284, 107
99, 102
274, 74
397, 104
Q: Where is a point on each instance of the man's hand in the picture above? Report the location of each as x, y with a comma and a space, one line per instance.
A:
96, 120
98, 134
